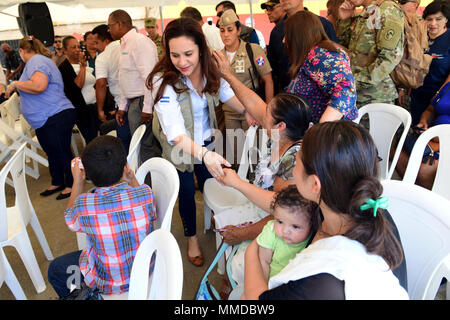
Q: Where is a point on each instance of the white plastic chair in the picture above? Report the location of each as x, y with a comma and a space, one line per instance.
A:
423, 221
384, 120
14, 220
165, 187
441, 183
14, 136
166, 281
218, 197
135, 146
7, 275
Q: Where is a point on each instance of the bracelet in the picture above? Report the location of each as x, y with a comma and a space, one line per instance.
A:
203, 157
244, 112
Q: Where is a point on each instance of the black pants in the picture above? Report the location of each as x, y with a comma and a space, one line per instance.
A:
186, 200
55, 138
87, 122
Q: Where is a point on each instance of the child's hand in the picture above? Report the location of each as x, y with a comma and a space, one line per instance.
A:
129, 177
78, 173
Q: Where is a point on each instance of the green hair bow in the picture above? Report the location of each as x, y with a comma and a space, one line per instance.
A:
375, 204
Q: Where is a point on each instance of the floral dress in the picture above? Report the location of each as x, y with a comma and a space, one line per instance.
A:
325, 79
265, 175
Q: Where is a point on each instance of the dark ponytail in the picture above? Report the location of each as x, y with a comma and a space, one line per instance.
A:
294, 111
344, 157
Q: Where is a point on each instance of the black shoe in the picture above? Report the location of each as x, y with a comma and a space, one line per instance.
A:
47, 192
63, 196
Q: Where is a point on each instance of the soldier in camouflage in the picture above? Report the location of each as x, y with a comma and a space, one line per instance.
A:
152, 30
375, 39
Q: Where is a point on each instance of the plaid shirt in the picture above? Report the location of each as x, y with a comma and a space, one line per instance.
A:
116, 220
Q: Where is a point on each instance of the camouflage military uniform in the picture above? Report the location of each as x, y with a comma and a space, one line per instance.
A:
375, 39
159, 46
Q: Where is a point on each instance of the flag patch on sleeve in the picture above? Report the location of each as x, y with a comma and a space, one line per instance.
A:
260, 61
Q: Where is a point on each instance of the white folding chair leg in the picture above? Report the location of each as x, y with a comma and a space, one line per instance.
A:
81, 240
221, 262
207, 216
23, 246
34, 222
11, 280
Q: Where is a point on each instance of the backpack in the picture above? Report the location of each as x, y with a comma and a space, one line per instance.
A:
413, 68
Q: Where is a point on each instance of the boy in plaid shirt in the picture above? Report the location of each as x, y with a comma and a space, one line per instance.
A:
116, 216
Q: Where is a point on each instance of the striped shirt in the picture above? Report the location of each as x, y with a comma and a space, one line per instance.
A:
116, 220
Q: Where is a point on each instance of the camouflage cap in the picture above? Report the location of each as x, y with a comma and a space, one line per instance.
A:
228, 17
150, 22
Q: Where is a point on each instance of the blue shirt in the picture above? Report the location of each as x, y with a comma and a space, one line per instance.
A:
442, 106
439, 49
37, 108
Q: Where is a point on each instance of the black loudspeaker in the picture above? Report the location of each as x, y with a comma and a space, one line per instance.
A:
34, 19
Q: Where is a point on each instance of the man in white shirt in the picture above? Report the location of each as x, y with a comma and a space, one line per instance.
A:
107, 83
138, 56
211, 32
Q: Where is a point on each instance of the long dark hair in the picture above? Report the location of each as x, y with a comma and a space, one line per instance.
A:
344, 157
294, 112
302, 32
170, 75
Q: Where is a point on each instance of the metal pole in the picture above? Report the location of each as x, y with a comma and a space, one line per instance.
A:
251, 13
161, 17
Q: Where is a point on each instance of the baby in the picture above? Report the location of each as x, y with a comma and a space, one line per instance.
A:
289, 232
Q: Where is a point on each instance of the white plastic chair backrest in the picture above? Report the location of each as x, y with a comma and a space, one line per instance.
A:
423, 221
10, 110
441, 183
135, 144
248, 145
384, 120
167, 276
15, 166
2, 268
165, 187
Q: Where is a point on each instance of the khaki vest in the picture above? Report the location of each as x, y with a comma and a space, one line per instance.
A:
184, 162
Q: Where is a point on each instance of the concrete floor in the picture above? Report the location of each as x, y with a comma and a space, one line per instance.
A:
61, 241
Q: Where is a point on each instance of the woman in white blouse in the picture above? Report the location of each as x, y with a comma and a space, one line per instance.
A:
79, 87
186, 87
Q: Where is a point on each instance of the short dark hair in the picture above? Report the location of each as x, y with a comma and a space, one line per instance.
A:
102, 32
227, 5
191, 12
66, 39
86, 35
123, 17
289, 198
104, 159
437, 6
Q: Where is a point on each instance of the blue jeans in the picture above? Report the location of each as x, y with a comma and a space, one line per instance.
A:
63, 268
123, 133
55, 138
186, 200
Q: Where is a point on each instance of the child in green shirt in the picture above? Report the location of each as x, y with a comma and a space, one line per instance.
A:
289, 232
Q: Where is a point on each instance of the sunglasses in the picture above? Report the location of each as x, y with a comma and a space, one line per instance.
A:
58, 41
271, 8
